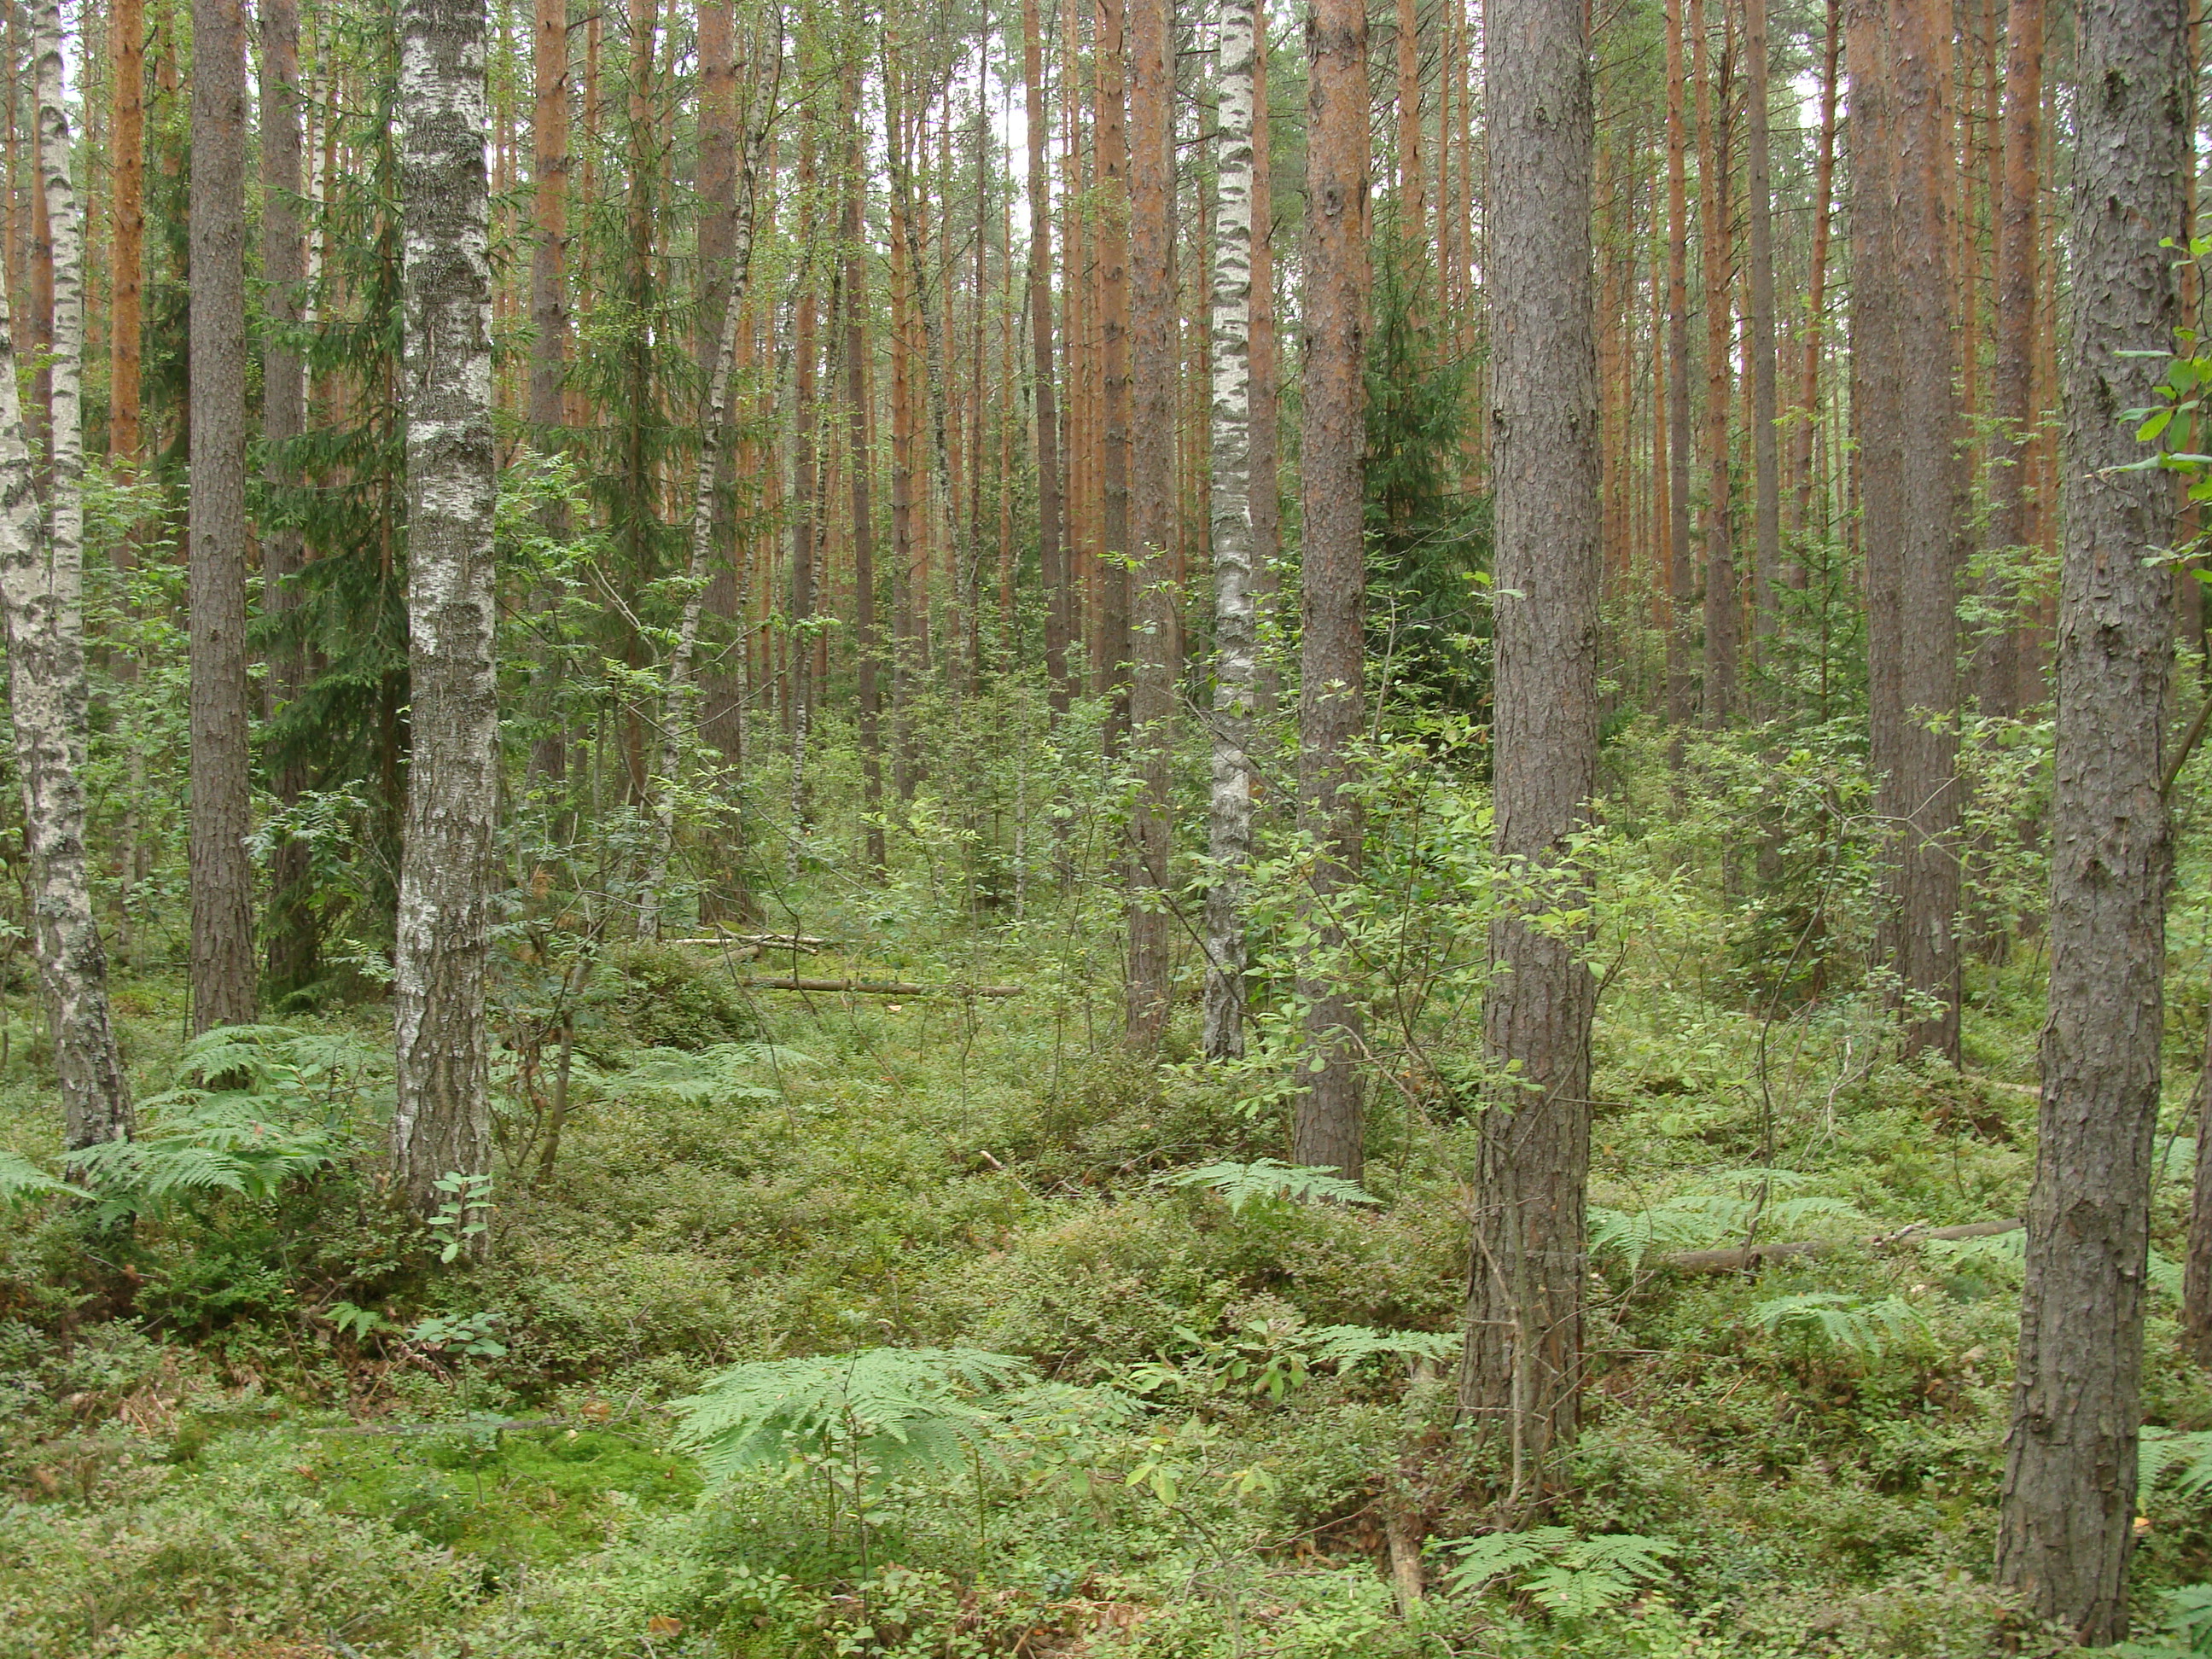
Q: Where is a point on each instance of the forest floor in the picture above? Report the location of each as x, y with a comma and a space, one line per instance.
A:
271, 1427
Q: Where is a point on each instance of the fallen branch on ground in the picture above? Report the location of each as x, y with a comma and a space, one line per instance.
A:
1736, 1259
885, 988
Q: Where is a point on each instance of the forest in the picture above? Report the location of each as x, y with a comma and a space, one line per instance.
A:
1029, 830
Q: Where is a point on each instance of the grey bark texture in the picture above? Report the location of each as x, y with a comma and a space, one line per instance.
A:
1521, 1375
443, 1121
222, 874
1332, 646
41, 575
2065, 1532
1229, 826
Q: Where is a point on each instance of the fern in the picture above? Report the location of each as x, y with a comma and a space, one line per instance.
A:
1573, 1577
1345, 1346
201, 1144
711, 1075
2160, 1451
884, 1407
1723, 1210
23, 1181
1847, 1324
1268, 1182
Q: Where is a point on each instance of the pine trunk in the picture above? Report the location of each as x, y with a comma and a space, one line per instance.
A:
1052, 571
442, 1124
1152, 503
293, 934
859, 392
1111, 58
1229, 825
127, 210
1816, 289
1521, 1373
1904, 358
1332, 648
2012, 380
2064, 1534
1722, 632
223, 965
1765, 440
1682, 557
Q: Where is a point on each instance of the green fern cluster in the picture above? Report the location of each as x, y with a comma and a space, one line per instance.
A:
1267, 1182
888, 1407
716, 1076
255, 1109
1573, 1577
1721, 1210
1843, 1324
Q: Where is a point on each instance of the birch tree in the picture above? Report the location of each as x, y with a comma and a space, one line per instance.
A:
1235, 635
41, 565
443, 1121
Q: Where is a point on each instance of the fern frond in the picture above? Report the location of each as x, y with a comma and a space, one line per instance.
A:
1268, 1180
2160, 1451
1345, 1346
888, 1406
22, 1181
1572, 1576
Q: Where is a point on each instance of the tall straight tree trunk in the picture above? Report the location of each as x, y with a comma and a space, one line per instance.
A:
722, 708
2064, 1531
1903, 358
805, 479
1521, 1371
1816, 286
41, 588
1052, 551
2012, 380
679, 710
292, 931
1765, 440
222, 877
1229, 822
859, 394
1681, 558
1722, 633
1263, 487
1111, 58
442, 1124
1332, 648
1412, 208
549, 251
1152, 501
127, 211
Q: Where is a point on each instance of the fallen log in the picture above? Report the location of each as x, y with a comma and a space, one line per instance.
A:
1735, 1261
885, 988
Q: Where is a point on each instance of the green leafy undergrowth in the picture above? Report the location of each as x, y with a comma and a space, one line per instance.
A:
535, 1495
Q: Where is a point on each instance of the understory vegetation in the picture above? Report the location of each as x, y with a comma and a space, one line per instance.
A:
833, 1322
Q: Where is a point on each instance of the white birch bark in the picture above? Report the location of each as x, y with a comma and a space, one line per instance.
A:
680, 713
1235, 640
443, 1122
41, 573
